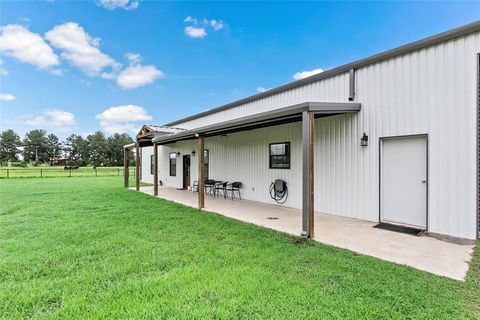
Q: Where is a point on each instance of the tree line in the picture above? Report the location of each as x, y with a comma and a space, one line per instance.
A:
38, 147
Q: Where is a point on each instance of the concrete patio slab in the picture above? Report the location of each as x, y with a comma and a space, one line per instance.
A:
424, 253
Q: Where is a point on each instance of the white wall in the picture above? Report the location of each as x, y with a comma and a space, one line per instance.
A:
431, 91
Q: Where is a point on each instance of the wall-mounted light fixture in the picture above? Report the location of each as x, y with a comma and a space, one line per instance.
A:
193, 153
364, 140
178, 154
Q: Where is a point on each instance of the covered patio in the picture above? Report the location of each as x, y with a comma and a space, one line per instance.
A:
306, 113
424, 253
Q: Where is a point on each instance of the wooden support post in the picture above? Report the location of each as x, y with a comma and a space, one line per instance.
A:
155, 169
125, 167
201, 178
308, 134
137, 165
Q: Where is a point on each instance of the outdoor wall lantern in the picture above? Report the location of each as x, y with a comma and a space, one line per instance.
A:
178, 154
193, 153
364, 140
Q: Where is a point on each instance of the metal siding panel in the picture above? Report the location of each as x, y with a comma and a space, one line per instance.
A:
431, 91
334, 89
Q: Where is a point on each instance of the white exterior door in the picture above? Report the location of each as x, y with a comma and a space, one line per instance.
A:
404, 181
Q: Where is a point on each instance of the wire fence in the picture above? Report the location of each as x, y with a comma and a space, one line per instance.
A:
60, 172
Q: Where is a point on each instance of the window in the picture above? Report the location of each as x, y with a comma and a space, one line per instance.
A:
280, 155
152, 164
173, 164
205, 163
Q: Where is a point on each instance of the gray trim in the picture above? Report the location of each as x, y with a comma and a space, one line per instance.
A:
478, 145
129, 146
420, 44
351, 85
320, 108
451, 239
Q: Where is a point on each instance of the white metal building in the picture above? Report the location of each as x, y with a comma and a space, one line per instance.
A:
418, 106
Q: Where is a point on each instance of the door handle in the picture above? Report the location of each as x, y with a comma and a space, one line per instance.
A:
424, 181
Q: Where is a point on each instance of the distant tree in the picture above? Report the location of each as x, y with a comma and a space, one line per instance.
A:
115, 145
54, 146
36, 146
76, 150
9, 143
97, 144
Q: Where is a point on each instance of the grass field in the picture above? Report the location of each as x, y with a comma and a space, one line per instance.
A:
87, 249
55, 172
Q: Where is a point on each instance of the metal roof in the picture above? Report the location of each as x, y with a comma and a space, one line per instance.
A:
426, 42
129, 146
264, 119
163, 129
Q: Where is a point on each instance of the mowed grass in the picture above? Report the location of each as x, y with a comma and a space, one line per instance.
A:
81, 248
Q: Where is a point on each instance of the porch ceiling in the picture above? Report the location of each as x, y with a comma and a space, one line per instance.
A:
264, 119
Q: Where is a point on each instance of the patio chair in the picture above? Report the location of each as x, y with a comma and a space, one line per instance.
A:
221, 187
209, 187
234, 187
195, 186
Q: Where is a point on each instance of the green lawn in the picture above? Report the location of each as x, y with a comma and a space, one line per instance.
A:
82, 248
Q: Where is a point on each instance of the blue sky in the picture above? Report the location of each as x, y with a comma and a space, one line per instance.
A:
77, 67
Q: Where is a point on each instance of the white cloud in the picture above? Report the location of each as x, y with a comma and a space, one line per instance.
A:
190, 19
7, 97
216, 25
108, 75
137, 75
194, 32
306, 74
57, 72
80, 49
122, 118
262, 89
198, 27
18, 42
124, 4
51, 118
134, 58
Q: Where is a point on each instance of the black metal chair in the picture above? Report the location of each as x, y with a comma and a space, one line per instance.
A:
234, 187
221, 187
209, 187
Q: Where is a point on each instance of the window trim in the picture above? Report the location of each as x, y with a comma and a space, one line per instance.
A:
206, 165
289, 155
152, 161
170, 164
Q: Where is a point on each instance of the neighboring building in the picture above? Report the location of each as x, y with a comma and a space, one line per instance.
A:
58, 161
394, 139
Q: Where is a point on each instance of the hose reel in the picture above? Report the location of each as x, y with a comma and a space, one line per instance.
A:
279, 191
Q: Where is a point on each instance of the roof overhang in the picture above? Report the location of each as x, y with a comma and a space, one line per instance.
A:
148, 132
265, 119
